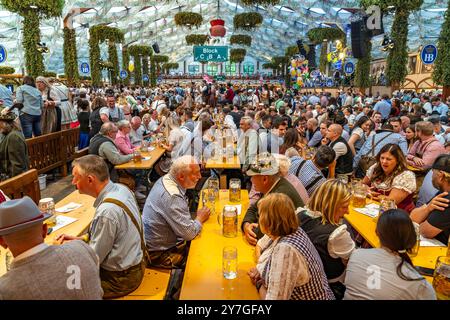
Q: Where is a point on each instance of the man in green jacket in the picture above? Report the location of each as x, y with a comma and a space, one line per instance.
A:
13, 148
266, 179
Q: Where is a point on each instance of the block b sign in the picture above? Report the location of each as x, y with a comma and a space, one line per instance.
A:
428, 54
210, 53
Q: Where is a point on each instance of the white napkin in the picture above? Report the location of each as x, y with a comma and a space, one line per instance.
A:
425, 242
372, 210
62, 221
68, 207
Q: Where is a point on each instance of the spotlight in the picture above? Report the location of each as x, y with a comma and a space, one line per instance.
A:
42, 48
387, 43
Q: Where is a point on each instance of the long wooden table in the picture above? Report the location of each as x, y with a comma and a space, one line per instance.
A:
366, 226
154, 155
84, 214
203, 278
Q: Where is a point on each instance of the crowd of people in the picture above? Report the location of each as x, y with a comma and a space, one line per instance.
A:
294, 147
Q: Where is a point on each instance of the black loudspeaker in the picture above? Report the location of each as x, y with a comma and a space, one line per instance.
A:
360, 36
311, 56
155, 47
301, 47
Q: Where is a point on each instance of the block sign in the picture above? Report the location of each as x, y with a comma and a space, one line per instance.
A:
84, 68
211, 53
3, 54
429, 54
349, 67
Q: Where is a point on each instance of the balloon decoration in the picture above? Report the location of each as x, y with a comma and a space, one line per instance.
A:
337, 57
299, 71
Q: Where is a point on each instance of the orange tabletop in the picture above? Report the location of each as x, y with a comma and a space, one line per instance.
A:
220, 164
366, 226
144, 164
414, 168
84, 214
203, 279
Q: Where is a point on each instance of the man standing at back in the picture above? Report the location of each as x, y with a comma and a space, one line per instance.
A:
115, 232
40, 271
384, 107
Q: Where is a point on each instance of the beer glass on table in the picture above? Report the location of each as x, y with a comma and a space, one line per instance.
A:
235, 190
229, 220
441, 278
359, 195
47, 205
229, 262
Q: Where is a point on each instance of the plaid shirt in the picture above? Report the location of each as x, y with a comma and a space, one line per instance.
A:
310, 176
166, 216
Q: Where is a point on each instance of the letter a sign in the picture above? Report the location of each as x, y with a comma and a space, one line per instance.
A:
429, 54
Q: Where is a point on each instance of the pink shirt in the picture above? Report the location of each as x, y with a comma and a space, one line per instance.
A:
123, 143
427, 150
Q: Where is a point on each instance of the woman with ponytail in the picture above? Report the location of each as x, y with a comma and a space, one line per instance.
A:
387, 273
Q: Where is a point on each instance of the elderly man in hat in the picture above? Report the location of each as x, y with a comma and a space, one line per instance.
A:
266, 179
434, 217
39, 271
13, 148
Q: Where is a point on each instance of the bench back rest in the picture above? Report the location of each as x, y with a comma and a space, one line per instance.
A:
25, 184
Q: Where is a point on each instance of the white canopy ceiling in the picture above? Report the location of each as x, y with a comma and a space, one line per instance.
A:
146, 22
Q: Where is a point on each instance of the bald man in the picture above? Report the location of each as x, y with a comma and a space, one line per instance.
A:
344, 155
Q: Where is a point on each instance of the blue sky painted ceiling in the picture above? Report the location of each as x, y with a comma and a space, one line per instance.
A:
146, 22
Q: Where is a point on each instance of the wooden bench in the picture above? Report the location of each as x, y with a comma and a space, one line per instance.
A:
25, 184
153, 286
54, 150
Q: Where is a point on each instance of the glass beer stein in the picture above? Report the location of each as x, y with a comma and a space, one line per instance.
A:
235, 190
229, 221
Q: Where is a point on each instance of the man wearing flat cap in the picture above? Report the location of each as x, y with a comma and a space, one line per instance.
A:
434, 217
39, 271
13, 148
266, 179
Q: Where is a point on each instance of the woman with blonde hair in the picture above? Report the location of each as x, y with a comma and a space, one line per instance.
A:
174, 137
322, 222
289, 267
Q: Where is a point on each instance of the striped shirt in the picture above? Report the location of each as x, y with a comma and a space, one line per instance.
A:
310, 176
166, 216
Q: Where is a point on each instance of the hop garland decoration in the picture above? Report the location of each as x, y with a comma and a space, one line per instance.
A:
241, 39
247, 20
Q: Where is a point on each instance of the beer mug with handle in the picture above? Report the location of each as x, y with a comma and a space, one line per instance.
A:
228, 219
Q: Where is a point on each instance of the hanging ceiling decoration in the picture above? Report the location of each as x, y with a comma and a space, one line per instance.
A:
217, 28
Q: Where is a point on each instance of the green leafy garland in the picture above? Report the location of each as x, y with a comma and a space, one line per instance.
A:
170, 66
7, 70
160, 58
99, 34
291, 51
241, 39
396, 63
31, 32
114, 59
237, 55
139, 53
70, 56
152, 73
145, 70
125, 63
441, 73
49, 74
318, 35
247, 20
260, 2
196, 39
362, 72
188, 19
